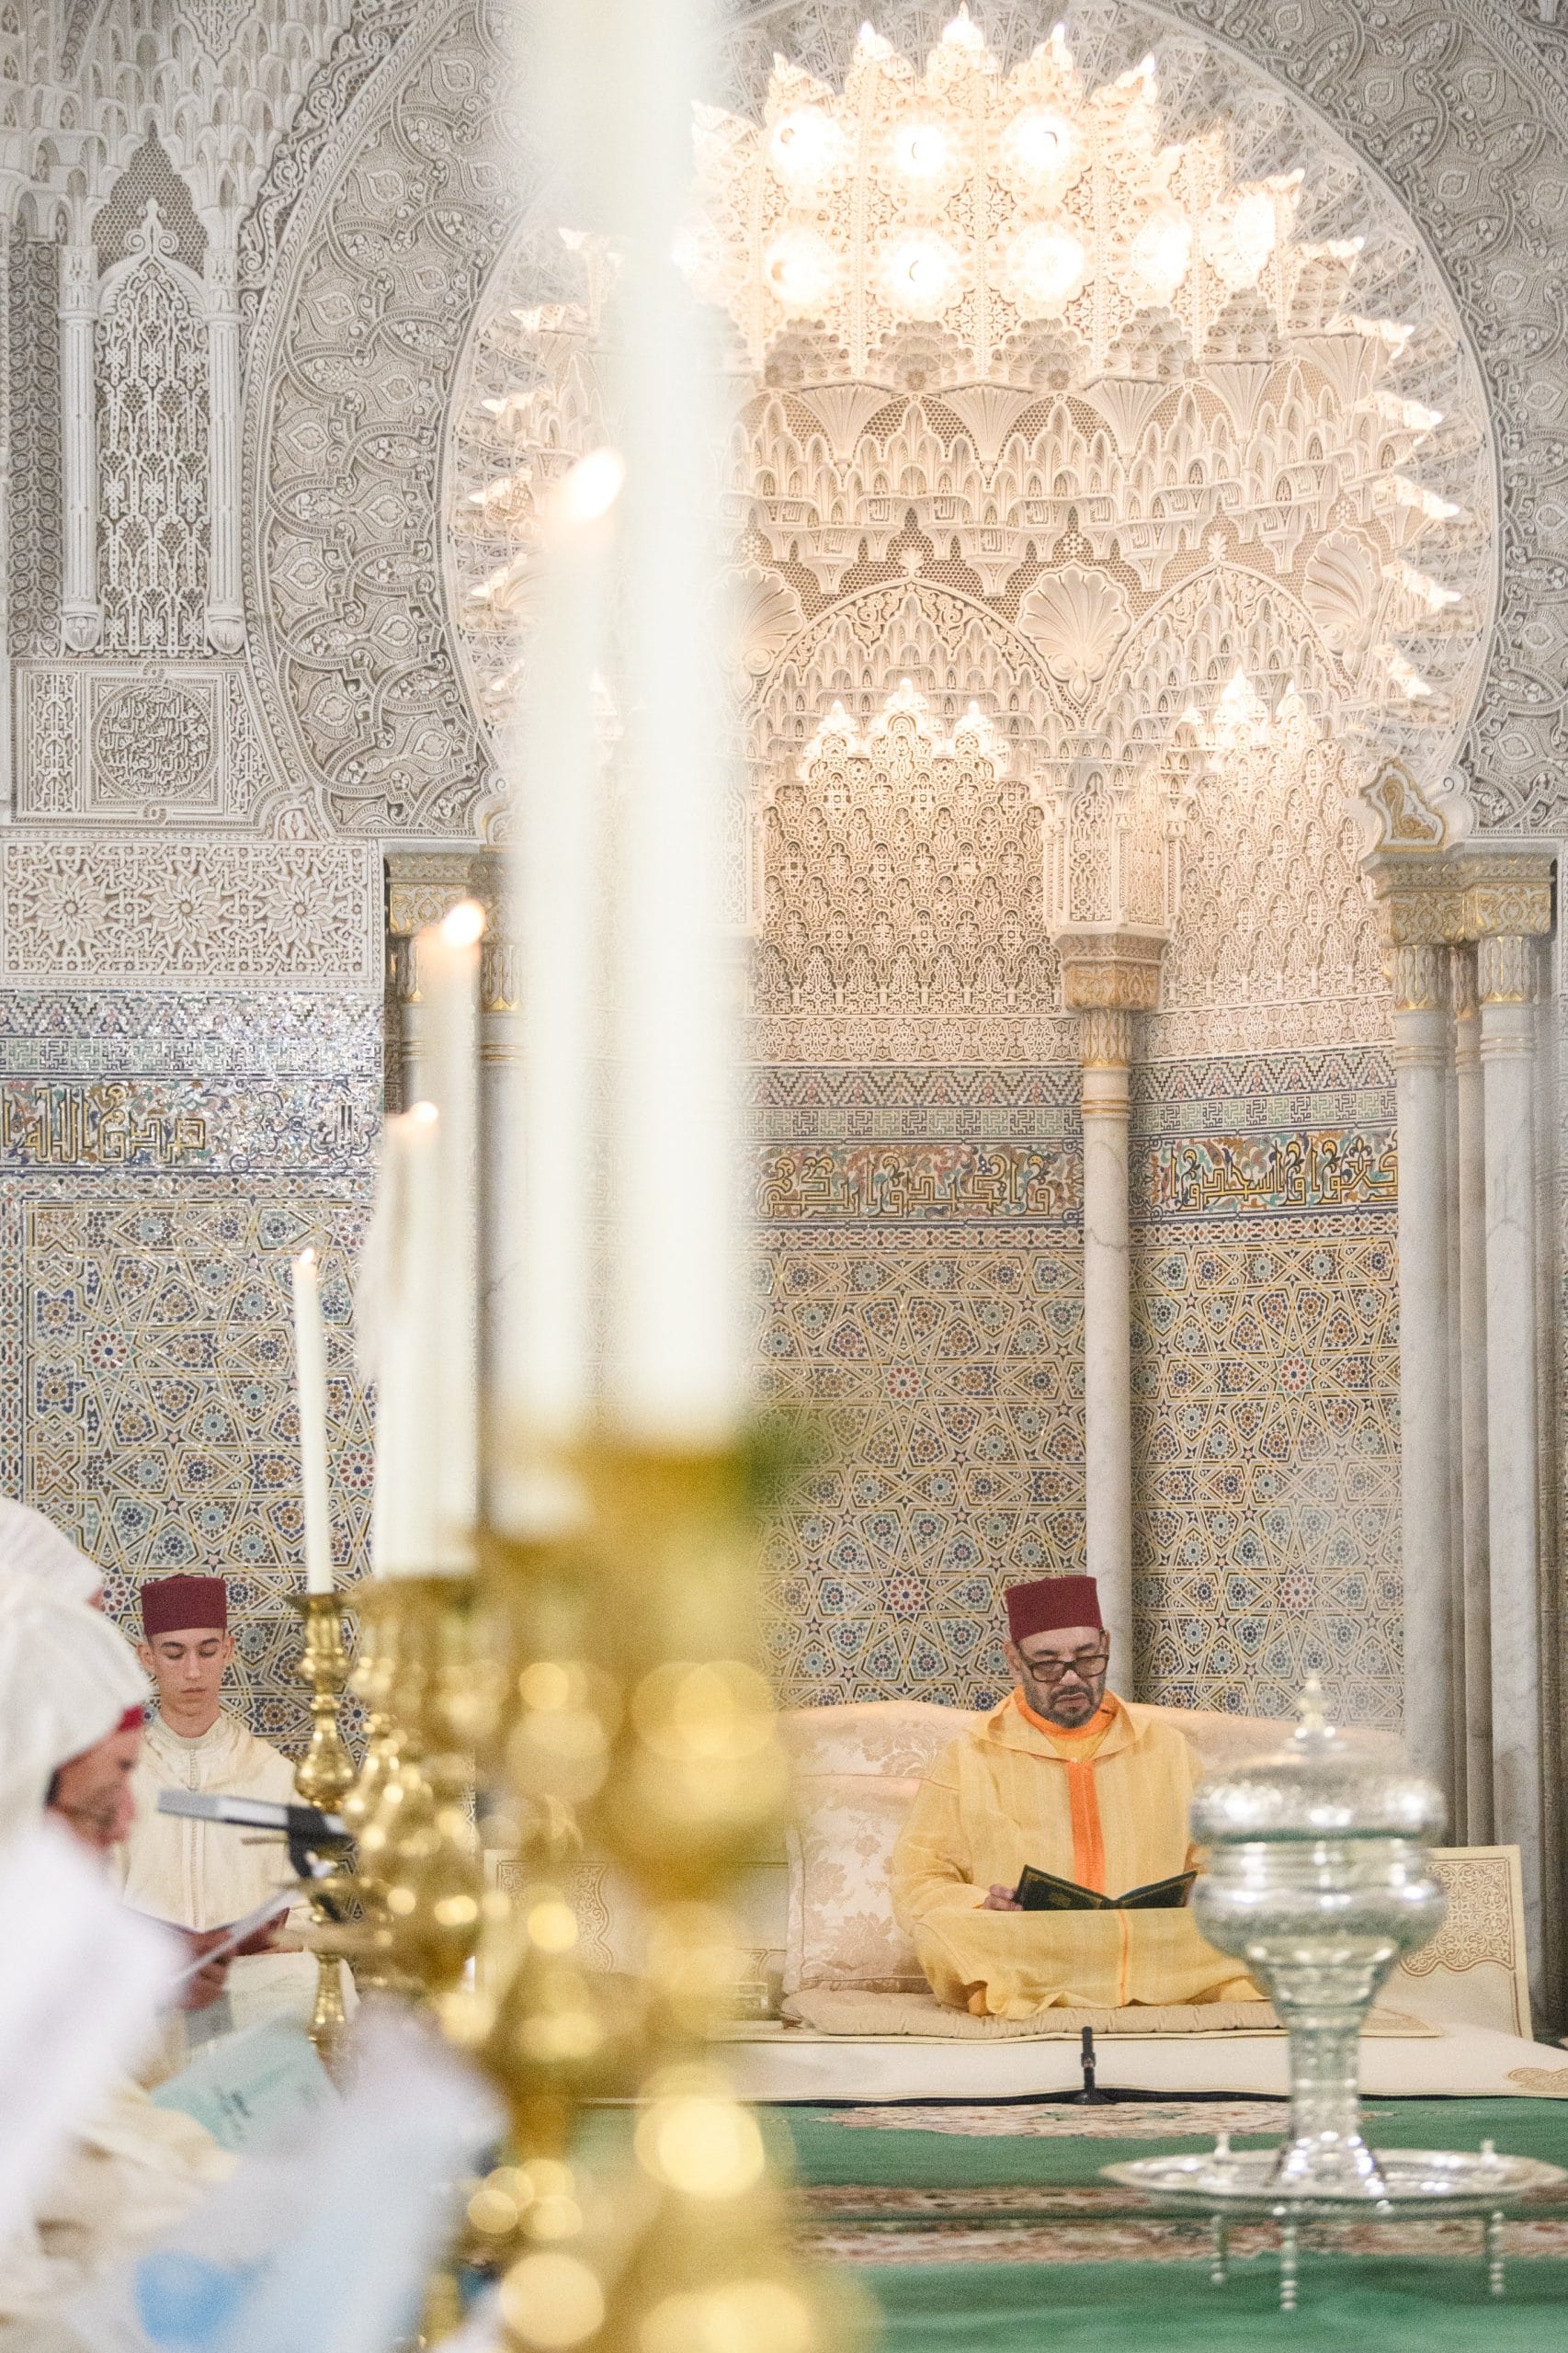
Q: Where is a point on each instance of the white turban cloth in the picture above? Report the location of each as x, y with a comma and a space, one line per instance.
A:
34, 1547
67, 1678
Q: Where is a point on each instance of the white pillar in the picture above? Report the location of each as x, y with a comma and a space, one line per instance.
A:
7, 746
500, 1056
1458, 1807
225, 600
1106, 1052
82, 618
1469, 1161
1420, 1040
1505, 975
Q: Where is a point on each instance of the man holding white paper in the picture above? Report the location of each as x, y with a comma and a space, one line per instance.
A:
201, 1877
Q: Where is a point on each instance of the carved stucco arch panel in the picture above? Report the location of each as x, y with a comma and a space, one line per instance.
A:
353, 354
1506, 103
958, 648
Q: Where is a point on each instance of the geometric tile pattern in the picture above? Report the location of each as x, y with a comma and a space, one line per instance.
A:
918, 1296
146, 1224
1266, 1382
948, 1373
161, 1430
918, 1301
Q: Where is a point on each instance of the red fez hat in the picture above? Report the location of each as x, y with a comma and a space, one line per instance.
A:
1050, 1603
171, 1605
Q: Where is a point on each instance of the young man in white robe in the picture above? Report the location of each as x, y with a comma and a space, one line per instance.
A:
203, 1876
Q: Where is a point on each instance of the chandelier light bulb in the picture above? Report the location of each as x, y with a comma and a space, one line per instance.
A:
1161, 255
919, 274
1038, 144
920, 150
1045, 267
806, 146
800, 270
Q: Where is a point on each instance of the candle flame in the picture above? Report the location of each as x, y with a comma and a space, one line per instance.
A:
592, 485
425, 1114
464, 925
307, 1258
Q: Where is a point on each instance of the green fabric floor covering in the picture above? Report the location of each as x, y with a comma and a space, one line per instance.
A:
828, 2151
1349, 2303
1347, 2306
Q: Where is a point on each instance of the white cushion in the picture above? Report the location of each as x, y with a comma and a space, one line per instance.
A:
842, 1933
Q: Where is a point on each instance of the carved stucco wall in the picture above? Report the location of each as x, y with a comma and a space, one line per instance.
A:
189, 911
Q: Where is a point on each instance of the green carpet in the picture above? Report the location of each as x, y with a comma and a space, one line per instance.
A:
1348, 2306
829, 2151
1043, 2301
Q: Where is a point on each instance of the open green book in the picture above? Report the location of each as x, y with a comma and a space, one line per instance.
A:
1043, 1892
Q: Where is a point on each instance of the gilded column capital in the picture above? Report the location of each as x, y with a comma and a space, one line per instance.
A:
1462, 992
1420, 976
425, 885
1105, 1037
1116, 969
1440, 901
1505, 969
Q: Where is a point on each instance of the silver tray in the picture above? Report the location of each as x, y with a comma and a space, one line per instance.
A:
1416, 2179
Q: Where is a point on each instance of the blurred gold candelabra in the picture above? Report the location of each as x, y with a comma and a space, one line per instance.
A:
596, 1688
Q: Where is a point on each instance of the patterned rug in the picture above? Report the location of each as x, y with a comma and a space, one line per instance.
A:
1142, 2119
880, 2225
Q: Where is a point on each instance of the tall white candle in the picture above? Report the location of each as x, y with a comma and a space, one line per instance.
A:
449, 956
673, 1372
405, 1526
310, 1384
547, 1371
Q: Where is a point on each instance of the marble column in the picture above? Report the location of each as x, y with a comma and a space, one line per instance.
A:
1105, 1054
82, 618
1420, 1055
423, 886
1458, 1808
7, 743
1468, 1160
500, 1058
1505, 978
225, 605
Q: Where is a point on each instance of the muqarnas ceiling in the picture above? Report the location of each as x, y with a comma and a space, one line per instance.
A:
1071, 392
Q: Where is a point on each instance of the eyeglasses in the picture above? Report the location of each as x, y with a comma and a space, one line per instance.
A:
1083, 1664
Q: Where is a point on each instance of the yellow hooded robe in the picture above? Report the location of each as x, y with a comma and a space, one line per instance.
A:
1106, 1806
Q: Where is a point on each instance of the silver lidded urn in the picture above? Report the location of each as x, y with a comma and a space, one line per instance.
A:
1318, 1878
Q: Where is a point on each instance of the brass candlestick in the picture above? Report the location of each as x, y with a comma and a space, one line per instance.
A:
411, 1809
374, 1679
322, 1777
422, 1843
540, 2024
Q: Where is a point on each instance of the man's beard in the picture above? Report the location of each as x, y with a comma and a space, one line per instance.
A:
1081, 1701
